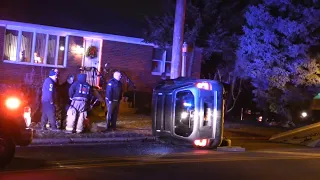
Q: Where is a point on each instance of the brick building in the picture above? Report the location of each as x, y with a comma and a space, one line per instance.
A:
27, 49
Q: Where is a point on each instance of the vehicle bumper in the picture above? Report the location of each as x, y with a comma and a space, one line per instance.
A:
25, 138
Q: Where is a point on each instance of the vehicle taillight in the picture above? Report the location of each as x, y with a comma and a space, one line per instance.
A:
13, 103
201, 142
27, 116
204, 85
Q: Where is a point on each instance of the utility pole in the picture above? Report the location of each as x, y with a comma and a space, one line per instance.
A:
178, 38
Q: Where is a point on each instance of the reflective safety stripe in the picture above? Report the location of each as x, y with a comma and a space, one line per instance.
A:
80, 88
79, 131
69, 129
84, 89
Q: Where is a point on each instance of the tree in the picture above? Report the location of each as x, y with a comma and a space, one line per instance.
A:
214, 25
211, 24
160, 28
274, 53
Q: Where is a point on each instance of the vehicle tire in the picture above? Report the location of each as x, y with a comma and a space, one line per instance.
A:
7, 150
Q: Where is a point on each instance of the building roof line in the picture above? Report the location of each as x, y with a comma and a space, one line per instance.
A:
73, 32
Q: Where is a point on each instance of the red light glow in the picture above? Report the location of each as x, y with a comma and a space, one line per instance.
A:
13, 103
201, 142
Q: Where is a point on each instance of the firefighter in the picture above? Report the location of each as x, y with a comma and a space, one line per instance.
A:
80, 93
113, 98
48, 102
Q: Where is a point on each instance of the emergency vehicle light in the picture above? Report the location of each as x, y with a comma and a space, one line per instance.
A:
203, 85
13, 103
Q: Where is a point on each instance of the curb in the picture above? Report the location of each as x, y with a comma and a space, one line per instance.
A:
61, 141
231, 149
248, 138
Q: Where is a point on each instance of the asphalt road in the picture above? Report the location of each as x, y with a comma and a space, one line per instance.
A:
151, 160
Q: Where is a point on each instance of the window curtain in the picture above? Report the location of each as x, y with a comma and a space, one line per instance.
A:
52, 48
26, 45
11, 44
40, 46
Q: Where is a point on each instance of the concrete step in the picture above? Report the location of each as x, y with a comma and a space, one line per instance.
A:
126, 108
125, 104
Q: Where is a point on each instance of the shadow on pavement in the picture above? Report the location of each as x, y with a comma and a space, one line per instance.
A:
25, 163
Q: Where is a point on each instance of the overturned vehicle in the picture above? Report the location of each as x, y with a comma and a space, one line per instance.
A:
190, 110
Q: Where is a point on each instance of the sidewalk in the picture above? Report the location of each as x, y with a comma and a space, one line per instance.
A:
129, 128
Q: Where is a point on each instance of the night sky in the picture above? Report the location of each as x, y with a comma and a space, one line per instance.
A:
121, 17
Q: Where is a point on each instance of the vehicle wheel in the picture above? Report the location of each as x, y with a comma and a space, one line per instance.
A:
7, 150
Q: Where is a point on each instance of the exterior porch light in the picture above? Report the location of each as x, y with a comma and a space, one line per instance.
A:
77, 49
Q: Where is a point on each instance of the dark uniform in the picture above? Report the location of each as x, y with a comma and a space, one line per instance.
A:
113, 98
47, 99
80, 92
64, 101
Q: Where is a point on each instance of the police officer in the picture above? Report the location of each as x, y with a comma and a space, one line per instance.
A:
47, 99
80, 93
113, 98
58, 75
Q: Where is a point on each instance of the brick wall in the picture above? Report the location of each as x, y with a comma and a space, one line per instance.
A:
136, 61
133, 59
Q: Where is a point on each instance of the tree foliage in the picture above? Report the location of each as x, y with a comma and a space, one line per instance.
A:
274, 53
211, 24
214, 25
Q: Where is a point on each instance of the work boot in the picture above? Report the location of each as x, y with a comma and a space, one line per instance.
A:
55, 130
44, 129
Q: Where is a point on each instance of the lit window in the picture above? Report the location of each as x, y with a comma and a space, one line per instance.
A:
161, 61
52, 49
35, 48
26, 47
11, 41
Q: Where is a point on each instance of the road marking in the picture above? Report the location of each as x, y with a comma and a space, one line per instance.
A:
138, 157
291, 153
158, 162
